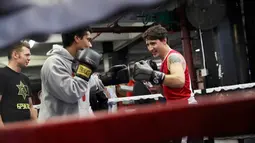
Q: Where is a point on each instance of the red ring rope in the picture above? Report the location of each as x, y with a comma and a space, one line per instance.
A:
212, 116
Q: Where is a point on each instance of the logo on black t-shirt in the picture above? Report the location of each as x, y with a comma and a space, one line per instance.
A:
23, 90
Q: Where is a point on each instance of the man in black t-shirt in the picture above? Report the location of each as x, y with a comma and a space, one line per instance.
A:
15, 92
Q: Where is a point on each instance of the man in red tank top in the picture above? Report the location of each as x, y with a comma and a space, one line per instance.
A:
173, 75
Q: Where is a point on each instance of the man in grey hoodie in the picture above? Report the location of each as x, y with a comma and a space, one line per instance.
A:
63, 93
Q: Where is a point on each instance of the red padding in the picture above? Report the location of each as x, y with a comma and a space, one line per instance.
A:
212, 116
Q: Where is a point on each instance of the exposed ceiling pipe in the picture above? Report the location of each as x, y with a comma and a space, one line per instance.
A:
109, 25
120, 29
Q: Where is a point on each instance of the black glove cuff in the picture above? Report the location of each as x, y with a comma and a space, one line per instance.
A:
157, 77
107, 78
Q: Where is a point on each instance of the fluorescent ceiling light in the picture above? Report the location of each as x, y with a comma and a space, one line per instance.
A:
31, 43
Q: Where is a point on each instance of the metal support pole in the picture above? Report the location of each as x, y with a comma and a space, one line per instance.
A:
187, 49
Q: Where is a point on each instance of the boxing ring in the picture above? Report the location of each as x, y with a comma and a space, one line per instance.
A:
226, 114
216, 113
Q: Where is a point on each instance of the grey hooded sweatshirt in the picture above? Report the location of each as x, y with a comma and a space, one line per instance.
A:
62, 94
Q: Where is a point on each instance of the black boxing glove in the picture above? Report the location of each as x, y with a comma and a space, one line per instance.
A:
143, 71
116, 68
153, 65
85, 63
117, 74
123, 76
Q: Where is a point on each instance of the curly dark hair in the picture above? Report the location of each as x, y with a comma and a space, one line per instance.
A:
156, 32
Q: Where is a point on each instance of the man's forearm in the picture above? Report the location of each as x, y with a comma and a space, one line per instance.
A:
33, 113
1, 122
174, 81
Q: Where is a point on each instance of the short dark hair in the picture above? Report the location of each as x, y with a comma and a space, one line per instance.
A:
68, 37
17, 47
156, 32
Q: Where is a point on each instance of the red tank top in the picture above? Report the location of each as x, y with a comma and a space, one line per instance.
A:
176, 93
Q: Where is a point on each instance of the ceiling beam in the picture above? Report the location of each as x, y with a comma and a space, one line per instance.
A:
123, 33
56, 38
120, 29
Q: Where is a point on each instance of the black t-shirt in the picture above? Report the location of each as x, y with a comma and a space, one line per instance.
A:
15, 90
